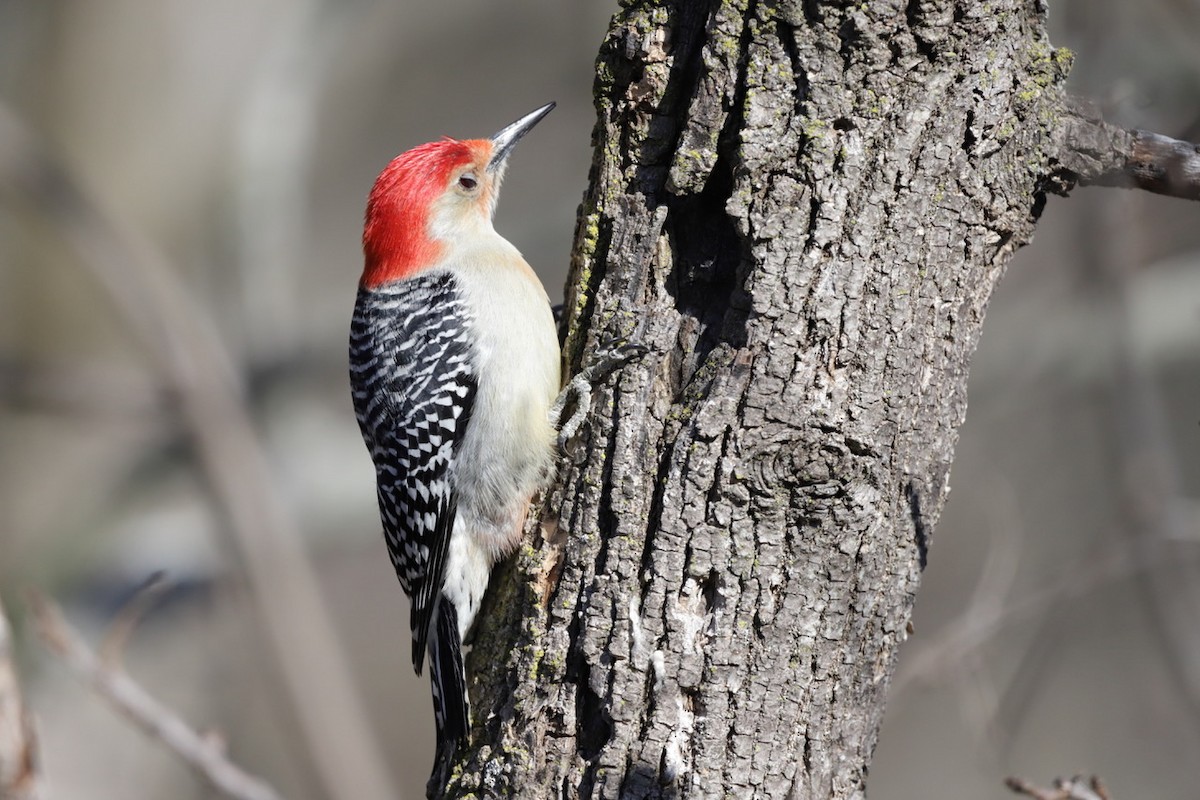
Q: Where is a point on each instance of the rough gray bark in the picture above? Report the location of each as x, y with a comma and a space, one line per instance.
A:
801, 209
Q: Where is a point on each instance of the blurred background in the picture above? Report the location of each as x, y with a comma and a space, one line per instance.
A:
181, 194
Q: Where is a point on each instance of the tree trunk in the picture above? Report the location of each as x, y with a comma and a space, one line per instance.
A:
801, 209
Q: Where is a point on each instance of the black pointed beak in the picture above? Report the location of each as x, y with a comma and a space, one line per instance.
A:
506, 139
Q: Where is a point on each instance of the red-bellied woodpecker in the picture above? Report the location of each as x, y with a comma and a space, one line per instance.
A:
454, 367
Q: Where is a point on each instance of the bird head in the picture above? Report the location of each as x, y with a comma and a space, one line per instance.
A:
431, 195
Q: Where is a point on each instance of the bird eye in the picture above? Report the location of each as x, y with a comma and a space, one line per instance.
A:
468, 182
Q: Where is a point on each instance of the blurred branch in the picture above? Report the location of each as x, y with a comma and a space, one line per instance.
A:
956, 648
1150, 480
1094, 152
20, 772
112, 649
180, 340
204, 754
1073, 789
973, 630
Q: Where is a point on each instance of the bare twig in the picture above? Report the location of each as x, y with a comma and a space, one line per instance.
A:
113, 647
20, 773
1098, 153
203, 754
1073, 789
181, 340
1163, 165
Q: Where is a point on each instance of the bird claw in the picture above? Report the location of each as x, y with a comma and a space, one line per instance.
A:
612, 354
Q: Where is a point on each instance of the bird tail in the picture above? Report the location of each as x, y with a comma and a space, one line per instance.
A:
451, 708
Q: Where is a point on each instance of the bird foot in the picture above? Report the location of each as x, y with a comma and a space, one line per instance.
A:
611, 355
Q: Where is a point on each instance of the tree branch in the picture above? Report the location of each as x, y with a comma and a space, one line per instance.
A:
204, 754
20, 776
1074, 789
1097, 153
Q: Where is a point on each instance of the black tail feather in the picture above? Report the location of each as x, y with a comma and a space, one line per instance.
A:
443, 762
450, 705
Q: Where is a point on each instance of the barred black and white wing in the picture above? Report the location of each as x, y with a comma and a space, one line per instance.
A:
413, 383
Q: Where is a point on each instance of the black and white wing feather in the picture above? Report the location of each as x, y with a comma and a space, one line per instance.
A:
413, 381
